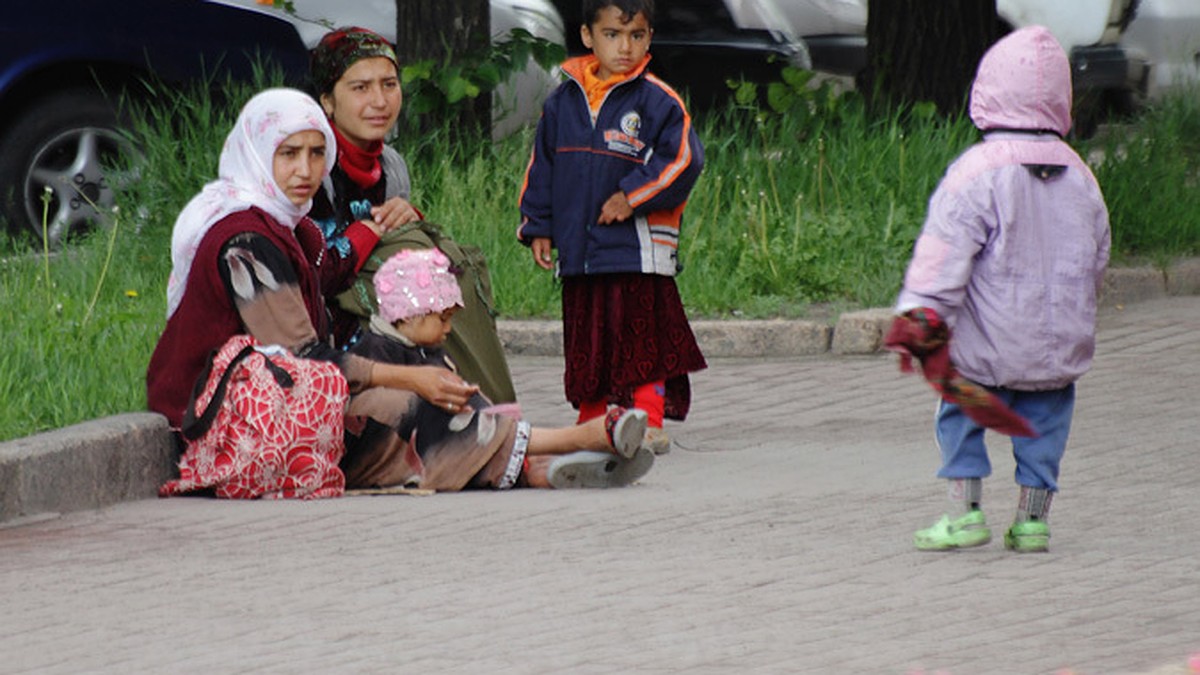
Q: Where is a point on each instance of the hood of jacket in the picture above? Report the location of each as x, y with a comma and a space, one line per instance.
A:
1023, 83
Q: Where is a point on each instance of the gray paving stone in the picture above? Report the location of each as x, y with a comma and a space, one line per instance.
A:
775, 538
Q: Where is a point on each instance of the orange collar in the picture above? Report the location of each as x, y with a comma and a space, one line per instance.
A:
584, 68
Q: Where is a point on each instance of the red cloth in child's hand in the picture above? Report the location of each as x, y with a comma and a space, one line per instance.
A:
922, 334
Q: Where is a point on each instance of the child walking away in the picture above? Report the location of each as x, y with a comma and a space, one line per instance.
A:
479, 445
1011, 259
613, 162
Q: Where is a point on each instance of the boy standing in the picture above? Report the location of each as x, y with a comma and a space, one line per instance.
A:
612, 166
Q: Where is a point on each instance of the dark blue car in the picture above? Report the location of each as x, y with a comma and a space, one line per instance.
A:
64, 67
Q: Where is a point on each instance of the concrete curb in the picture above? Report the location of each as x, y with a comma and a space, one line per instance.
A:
85, 466
775, 337
858, 332
105, 461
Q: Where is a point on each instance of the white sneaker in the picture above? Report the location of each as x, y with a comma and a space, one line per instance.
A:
592, 469
625, 428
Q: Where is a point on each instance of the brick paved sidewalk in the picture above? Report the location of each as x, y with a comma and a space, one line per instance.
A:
774, 538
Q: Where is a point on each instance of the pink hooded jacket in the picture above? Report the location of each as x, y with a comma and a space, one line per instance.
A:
1016, 240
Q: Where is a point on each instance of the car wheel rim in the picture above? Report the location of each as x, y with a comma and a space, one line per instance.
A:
77, 173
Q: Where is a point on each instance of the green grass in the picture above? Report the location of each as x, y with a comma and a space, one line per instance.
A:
63, 364
1149, 177
800, 216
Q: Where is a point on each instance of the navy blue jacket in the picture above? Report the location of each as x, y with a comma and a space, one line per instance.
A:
641, 143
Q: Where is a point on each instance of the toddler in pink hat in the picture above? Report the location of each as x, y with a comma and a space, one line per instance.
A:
418, 294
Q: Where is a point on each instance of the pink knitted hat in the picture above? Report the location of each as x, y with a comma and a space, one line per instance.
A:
416, 282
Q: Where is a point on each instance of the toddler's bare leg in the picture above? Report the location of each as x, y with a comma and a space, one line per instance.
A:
536, 470
562, 440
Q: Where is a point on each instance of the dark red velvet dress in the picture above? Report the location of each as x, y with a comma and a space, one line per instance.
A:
621, 331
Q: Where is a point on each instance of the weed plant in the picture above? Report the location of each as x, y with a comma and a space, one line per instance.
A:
82, 323
801, 213
1148, 170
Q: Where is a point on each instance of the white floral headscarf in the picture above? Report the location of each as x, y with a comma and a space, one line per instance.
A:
246, 176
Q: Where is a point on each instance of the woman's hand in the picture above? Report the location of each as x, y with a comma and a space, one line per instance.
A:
373, 226
393, 213
446, 389
441, 387
541, 248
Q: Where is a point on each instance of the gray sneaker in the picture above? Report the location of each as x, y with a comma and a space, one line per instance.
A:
592, 469
625, 429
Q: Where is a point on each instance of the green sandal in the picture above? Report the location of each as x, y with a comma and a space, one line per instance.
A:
965, 531
1028, 536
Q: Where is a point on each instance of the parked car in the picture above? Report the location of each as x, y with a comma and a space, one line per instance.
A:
1106, 72
1166, 35
835, 31
514, 105
65, 65
1090, 30
699, 45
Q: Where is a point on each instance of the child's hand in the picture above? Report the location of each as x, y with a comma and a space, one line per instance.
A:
541, 248
393, 213
616, 209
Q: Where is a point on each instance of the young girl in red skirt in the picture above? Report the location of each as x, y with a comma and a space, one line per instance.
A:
613, 162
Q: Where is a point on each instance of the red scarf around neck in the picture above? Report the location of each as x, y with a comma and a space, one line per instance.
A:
361, 166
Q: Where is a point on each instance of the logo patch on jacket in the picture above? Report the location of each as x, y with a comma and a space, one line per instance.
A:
625, 140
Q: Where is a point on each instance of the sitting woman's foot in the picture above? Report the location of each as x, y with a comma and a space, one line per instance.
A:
591, 469
625, 429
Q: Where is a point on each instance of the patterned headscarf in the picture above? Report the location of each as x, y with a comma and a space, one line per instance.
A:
342, 48
246, 176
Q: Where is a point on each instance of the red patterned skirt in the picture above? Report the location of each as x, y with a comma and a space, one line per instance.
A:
621, 331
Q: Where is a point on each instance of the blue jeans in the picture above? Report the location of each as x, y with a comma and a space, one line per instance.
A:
964, 454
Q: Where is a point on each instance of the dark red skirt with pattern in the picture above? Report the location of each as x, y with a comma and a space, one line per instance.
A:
621, 331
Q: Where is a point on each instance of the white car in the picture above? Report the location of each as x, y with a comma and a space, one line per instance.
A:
834, 31
515, 104
1103, 71
1090, 30
1166, 34
1107, 70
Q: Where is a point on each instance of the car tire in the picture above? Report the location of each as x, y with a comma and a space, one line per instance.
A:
70, 143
